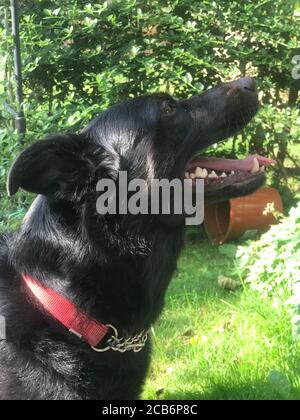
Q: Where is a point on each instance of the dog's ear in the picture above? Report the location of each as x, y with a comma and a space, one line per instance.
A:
56, 167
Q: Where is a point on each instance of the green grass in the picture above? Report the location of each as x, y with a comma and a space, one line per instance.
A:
215, 344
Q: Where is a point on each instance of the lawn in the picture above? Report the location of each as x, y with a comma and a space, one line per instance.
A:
215, 344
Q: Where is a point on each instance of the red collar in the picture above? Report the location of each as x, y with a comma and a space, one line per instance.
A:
68, 314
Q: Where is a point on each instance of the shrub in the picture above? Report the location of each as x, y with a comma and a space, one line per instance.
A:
271, 265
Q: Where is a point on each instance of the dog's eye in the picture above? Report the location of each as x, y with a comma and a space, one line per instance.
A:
169, 109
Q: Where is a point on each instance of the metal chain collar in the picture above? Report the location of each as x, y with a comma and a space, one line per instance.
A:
135, 343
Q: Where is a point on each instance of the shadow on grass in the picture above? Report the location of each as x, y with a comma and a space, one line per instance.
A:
249, 391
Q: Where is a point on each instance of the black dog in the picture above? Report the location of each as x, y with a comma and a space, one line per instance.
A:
115, 268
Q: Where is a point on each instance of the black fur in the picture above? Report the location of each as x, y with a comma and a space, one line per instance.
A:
116, 268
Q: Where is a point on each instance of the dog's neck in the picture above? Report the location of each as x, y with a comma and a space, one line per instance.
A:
116, 272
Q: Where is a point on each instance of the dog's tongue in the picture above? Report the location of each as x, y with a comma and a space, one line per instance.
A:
232, 164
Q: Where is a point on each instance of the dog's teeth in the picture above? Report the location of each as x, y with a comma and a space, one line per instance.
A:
213, 175
223, 175
192, 175
262, 169
186, 175
200, 173
255, 167
232, 173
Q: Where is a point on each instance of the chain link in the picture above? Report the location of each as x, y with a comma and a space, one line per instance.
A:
123, 344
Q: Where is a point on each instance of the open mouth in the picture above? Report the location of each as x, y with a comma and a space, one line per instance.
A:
237, 102
228, 178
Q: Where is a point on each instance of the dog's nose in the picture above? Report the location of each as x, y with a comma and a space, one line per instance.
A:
247, 83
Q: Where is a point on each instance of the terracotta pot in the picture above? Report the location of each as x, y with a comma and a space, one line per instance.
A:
230, 219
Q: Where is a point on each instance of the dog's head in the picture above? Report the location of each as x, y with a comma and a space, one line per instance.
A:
154, 136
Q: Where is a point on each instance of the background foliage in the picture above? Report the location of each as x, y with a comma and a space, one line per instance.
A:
271, 265
79, 57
